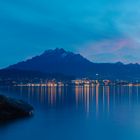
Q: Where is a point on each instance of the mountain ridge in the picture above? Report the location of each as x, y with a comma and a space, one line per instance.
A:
68, 63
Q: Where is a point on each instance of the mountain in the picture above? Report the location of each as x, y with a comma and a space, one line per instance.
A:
67, 63
56, 61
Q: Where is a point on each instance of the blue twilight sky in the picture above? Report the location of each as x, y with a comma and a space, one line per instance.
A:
101, 30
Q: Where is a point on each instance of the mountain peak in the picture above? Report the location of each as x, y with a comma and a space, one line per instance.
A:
55, 61
119, 63
60, 50
57, 50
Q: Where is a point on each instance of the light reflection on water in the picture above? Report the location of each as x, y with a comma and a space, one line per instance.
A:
89, 98
84, 108
82, 94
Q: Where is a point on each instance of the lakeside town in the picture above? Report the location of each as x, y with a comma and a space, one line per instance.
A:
79, 82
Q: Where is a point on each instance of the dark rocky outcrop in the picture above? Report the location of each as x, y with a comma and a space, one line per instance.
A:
11, 108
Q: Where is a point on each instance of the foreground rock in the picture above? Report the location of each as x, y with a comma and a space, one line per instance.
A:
12, 108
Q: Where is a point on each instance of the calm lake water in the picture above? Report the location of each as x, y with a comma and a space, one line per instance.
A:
76, 113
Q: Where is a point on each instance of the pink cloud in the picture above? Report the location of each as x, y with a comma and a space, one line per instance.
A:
105, 46
111, 50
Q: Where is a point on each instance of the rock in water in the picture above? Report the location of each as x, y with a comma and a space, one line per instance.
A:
11, 108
